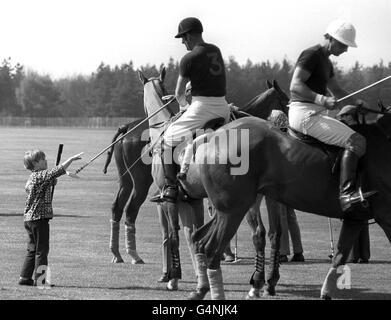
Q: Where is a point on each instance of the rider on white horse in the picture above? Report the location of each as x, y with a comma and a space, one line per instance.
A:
204, 67
313, 76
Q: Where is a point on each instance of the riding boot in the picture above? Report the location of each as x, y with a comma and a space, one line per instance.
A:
349, 192
170, 190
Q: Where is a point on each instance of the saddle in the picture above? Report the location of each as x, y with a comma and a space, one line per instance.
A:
214, 124
334, 153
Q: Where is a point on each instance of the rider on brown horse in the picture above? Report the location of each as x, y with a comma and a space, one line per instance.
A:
203, 66
308, 112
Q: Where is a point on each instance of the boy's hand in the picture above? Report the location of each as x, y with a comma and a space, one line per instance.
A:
66, 164
77, 156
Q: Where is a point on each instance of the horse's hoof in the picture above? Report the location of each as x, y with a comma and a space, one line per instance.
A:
253, 294
163, 278
229, 258
172, 285
139, 261
199, 294
269, 292
325, 297
117, 260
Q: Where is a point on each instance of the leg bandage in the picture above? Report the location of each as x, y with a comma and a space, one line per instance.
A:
114, 236
202, 280
216, 284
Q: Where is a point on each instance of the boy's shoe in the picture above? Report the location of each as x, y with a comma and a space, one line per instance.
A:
352, 261
298, 257
26, 282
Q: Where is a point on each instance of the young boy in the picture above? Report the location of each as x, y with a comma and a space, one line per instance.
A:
37, 213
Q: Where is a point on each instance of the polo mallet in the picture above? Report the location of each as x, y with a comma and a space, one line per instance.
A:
363, 89
172, 98
331, 240
355, 92
59, 153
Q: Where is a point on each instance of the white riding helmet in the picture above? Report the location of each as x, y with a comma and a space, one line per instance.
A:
342, 31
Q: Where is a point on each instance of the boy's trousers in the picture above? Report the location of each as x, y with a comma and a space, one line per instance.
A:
37, 248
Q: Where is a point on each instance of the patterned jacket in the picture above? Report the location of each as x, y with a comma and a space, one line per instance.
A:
39, 197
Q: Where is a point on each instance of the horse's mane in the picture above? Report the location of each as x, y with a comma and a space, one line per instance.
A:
254, 101
262, 104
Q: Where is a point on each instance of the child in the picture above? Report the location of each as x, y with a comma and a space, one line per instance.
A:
37, 213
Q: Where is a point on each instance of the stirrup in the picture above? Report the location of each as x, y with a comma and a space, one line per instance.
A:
356, 197
169, 193
157, 199
182, 175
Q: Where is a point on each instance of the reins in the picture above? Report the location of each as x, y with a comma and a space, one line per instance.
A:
153, 126
122, 137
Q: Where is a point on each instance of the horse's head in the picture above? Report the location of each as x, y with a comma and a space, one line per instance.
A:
272, 99
154, 91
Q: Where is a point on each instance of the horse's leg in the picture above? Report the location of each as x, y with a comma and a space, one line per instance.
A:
125, 188
166, 250
254, 220
274, 209
175, 272
192, 216
386, 226
142, 180
347, 237
211, 240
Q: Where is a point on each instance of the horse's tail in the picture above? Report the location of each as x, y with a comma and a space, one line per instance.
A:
121, 130
203, 231
210, 237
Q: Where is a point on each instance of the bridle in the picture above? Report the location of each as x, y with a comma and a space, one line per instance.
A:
161, 92
360, 110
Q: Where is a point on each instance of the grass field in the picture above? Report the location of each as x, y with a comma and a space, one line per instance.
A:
79, 245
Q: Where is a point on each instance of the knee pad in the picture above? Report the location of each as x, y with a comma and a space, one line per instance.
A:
357, 144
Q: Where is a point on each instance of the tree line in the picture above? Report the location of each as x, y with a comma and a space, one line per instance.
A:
117, 92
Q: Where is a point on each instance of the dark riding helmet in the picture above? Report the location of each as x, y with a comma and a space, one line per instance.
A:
189, 25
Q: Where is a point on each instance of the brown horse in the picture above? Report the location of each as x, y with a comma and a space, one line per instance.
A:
134, 182
294, 173
135, 176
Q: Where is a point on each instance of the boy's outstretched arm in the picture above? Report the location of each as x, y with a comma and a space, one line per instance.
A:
67, 162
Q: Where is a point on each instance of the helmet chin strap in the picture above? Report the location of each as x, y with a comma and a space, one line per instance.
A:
328, 46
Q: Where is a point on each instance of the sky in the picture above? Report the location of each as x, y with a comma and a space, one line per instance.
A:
64, 38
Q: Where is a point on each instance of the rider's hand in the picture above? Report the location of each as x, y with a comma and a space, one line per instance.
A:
184, 108
330, 103
232, 107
